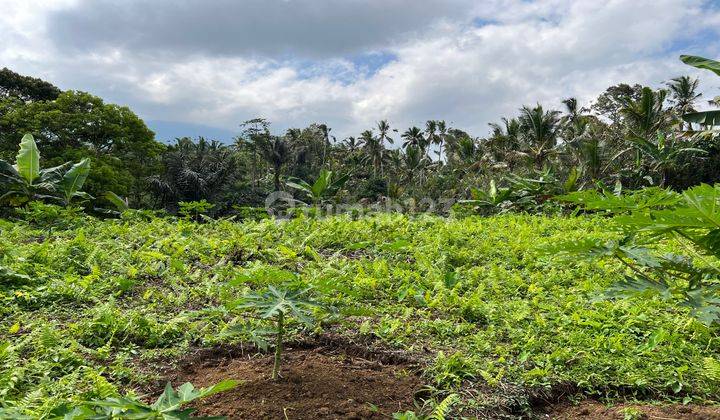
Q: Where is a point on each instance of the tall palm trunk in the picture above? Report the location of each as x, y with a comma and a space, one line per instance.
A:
277, 178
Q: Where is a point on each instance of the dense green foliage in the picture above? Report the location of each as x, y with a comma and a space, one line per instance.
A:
88, 305
26, 88
491, 313
636, 135
78, 125
25, 181
689, 275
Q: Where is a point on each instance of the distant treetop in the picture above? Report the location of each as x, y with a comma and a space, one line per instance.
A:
29, 89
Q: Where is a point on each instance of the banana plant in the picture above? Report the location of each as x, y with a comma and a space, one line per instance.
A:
73, 180
663, 154
493, 197
704, 118
25, 181
120, 203
326, 185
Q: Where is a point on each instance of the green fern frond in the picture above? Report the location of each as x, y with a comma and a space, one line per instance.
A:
711, 368
101, 386
442, 410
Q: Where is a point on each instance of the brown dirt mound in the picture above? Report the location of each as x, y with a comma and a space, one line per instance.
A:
596, 410
315, 385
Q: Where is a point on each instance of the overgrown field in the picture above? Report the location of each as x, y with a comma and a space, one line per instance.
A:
89, 305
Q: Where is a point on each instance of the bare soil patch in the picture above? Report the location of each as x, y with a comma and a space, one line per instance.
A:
317, 383
596, 410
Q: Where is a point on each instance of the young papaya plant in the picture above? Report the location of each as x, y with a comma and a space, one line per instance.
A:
691, 218
25, 181
279, 305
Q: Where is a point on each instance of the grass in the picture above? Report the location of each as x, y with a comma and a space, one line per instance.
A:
497, 321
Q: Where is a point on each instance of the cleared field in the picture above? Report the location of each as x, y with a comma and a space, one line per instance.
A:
93, 308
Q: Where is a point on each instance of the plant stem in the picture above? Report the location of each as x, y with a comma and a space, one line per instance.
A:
278, 345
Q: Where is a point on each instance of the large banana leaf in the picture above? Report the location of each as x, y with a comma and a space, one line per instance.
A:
703, 117
701, 63
28, 159
117, 201
322, 183
74, 179
9, 175
53, 176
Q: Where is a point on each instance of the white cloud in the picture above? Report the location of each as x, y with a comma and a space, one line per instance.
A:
523, 52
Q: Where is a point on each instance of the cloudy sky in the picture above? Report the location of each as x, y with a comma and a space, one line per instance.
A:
204, 66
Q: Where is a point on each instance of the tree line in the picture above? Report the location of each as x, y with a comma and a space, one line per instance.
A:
630, 135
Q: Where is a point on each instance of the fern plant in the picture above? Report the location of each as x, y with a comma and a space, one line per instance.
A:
436, 410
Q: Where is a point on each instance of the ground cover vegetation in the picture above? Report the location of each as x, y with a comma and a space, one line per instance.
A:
578, 258
489, 315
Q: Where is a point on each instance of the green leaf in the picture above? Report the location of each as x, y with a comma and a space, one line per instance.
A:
9, 175
633, 286
703, 117
571, 181
641, 256
120, 203
299, 185
74, 179
7, 274
28, 159
398, 245
221, 386
701, 63
321, 183
492, 192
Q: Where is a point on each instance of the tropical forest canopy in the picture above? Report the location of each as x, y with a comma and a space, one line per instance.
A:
630, 135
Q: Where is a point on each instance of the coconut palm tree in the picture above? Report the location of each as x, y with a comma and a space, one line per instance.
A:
574, 122
431, 135
194, 170
415, 163
646, 115
442, 137
325, 130
504, 142
414, 137
352, 144
663, 153
276, 152
383, 130
644, 118
374, 150
469, 153
684, 94
538, 133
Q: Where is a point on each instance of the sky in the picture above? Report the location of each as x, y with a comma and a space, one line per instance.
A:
201, 67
